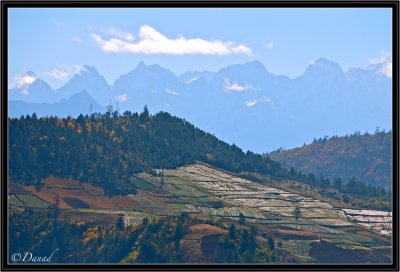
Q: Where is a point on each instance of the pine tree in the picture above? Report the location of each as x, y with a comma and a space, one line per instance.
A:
297, 213
120, 223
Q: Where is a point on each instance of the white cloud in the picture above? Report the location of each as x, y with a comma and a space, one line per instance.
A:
255, 102
381, 57
168, 91
58, 74
236, 87
317, 62
23, 81
269, 45
77, 69
386, 68
122, 97
192, 79
382, 63
153, 42
250, 103
76, 39
63, 72
113, 31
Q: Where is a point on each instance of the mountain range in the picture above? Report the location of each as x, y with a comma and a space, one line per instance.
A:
243, 104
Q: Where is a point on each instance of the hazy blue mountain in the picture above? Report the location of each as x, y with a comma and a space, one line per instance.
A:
243, 77
150, 85
322, 69
249, 106
78, 103
32, 89
90, 80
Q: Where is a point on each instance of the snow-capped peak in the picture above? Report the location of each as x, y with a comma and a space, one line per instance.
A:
192, 79
384, 67
23, 81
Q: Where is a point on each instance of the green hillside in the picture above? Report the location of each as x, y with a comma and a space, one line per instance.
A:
107, 149
366, 157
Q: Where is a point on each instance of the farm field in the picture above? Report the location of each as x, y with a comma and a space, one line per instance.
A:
73, 195
211, 193
380, 221
273, 209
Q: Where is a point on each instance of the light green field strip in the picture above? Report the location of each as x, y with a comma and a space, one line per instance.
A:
13, 201
32, 201
299, 248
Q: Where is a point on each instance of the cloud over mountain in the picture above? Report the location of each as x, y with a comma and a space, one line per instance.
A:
63, 72
152, 41
235, 87
382, 63
23, 81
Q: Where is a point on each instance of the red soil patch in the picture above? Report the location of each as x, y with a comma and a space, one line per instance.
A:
344, 228
365, 233
199, 243
93, 196
297, 232
199, 230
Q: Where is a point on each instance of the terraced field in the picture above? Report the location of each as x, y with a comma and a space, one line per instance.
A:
271, 209
198, 188
380, 221
212, 193
72, 194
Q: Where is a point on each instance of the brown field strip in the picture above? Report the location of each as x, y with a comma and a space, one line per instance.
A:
199, 242
73, 194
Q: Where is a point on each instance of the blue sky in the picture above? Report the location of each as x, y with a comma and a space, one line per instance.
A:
55, 43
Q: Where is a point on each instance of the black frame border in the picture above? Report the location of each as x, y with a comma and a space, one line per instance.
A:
5, 5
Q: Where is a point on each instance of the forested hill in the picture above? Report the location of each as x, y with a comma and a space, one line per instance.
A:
107, 149
367, 157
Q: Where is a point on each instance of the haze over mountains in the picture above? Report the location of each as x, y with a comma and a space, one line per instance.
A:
242, 104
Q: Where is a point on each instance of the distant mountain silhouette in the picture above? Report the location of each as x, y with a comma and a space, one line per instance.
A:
77, 104
30, 88
90, 80
242, 104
